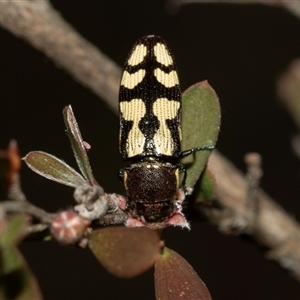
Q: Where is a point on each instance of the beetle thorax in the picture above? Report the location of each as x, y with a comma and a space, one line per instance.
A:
151, 187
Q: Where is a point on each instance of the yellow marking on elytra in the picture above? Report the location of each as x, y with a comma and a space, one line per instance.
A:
162, 54
137, 56
165, 109
180, 133
130, 81
167, 79
134, 110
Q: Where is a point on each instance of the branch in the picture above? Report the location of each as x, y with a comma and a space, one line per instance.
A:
14, 206
44, 28
288, 90
272, 228
38, 23
291, 5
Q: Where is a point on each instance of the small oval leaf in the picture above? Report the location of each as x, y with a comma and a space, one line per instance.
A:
201, 117
78, 145
125, 252
53, 168
176, 279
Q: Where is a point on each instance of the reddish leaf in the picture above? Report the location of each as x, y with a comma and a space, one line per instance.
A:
14, 156
125, 252
10, 163
4, 174
176, 279
78, 145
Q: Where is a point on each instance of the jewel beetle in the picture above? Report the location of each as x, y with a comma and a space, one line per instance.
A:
150, 132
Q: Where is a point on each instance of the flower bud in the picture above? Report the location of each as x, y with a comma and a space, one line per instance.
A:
68, 227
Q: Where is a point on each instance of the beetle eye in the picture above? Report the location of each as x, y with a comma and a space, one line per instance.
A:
132, 205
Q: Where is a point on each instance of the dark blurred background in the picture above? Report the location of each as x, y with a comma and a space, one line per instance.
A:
241, 51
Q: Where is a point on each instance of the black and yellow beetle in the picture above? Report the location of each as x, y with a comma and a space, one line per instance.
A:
150, 132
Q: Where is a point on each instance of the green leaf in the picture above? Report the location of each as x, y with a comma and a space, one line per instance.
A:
53, 168
176, 279
201, 116
125, 252
13, 230
205, 188
17, 281
77, 144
